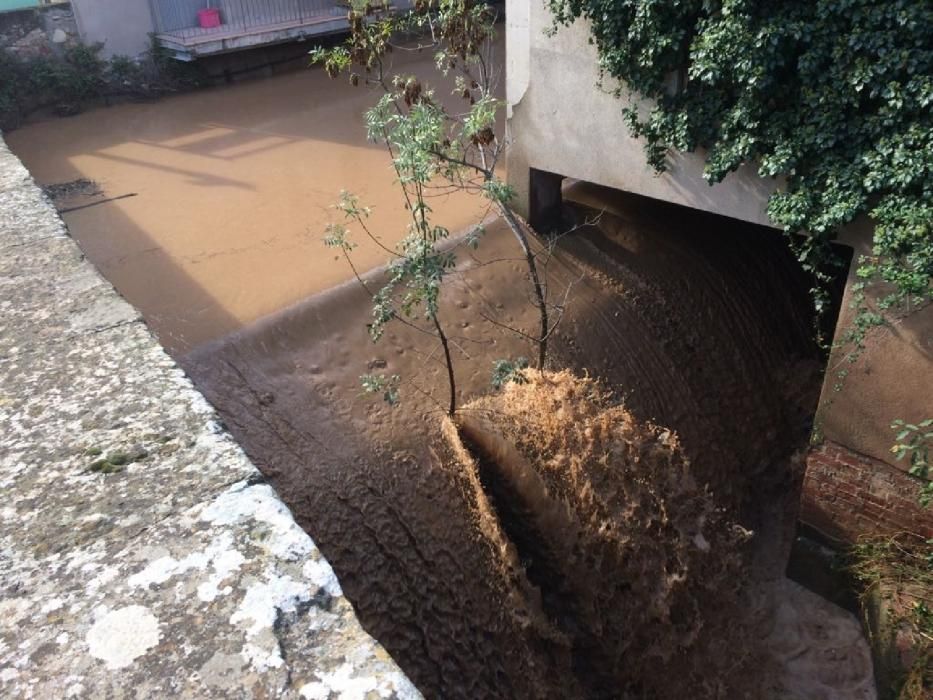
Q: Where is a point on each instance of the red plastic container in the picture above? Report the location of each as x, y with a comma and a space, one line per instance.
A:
209, 17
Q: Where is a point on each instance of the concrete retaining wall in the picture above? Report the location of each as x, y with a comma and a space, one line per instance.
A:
561, 122
123, 27
141, 554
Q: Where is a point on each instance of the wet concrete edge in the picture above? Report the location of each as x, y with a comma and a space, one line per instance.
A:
141, 553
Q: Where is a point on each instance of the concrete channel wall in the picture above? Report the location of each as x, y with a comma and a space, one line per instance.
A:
123, 28
141, 553
562, 122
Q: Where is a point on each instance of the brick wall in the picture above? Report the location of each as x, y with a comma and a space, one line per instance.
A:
847, 495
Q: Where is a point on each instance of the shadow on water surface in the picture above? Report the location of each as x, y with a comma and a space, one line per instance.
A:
703, 323
234, 187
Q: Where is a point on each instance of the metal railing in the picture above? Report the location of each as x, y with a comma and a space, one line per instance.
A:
181, 16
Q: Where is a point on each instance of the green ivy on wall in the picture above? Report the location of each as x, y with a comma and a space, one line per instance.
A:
834, 96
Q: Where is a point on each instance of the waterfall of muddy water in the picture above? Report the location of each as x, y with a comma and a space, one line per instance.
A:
587, 494
232, 188
702, 324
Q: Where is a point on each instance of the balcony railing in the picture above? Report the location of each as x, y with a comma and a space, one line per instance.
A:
243, 23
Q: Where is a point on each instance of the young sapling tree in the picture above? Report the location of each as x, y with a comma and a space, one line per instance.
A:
433, 147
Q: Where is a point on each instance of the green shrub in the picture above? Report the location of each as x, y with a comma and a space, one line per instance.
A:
12, 88
166, 73
124, 72
80, 75
913, 442
83, 73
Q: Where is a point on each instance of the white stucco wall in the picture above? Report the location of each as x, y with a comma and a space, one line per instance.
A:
561, 122
122, 25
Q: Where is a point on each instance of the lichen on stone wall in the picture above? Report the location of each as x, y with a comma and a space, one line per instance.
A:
178, 574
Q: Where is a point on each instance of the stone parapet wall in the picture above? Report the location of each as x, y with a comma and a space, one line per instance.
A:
847, 495
141, 553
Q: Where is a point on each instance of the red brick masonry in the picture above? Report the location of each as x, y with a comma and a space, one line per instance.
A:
847, 495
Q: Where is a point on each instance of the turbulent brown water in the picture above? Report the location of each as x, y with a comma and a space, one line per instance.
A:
634, 567
700, 322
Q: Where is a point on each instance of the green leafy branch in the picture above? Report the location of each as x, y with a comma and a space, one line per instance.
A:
834, 96
913, 442
431, 147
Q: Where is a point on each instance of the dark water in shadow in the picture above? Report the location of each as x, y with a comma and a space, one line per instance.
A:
702, 323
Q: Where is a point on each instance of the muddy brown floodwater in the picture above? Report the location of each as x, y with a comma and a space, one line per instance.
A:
233, 187
701, 323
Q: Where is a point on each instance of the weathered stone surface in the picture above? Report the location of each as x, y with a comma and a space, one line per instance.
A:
35, 43
36, 311
141, 555
12, 172
24, 211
